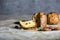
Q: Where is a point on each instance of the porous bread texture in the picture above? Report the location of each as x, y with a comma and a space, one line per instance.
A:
53, 18
28, 25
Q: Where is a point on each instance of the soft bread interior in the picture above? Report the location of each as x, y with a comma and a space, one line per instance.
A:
28, 24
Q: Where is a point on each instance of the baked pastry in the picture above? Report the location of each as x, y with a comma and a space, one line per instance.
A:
40, 18
28, 25
52, 18
43, 19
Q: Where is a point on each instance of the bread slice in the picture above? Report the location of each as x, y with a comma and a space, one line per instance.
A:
40, 18
28, 25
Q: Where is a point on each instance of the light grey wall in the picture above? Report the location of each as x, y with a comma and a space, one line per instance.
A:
28, 7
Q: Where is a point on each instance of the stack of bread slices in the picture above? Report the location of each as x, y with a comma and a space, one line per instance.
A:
39, 21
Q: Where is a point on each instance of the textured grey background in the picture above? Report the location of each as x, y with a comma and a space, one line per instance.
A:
15, 8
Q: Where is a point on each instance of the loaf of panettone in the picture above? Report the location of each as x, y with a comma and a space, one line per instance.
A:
40, 18
52, 18
28, 25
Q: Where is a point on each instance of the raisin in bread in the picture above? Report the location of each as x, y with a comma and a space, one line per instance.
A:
40, 18
28, 25
52, 18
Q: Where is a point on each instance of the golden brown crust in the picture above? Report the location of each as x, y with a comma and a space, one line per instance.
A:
40, 18
52, 18
36, 18
43, 19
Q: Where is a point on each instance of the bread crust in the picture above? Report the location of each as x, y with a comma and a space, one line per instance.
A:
36, 18
40, 18
43, 19
52, 18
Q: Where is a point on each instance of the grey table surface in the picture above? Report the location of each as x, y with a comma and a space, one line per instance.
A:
7, 32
